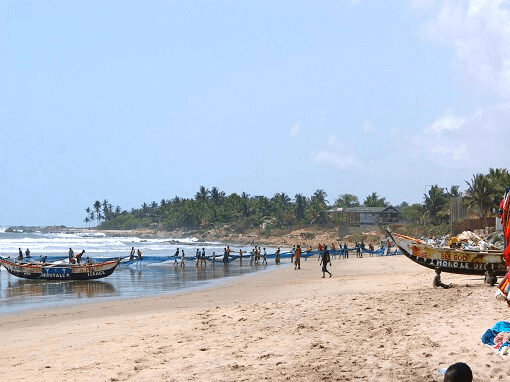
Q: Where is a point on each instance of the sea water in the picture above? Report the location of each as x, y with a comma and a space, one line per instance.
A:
158, 276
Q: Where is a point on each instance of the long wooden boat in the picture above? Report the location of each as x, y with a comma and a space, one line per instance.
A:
452, 260
43, 271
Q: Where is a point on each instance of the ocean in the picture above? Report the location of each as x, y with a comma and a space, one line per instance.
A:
154, 275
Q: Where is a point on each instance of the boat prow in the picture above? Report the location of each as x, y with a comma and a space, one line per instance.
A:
452, 260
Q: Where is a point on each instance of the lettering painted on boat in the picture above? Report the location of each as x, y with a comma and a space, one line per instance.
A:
57, 275
454, 264
100, 273
453, 256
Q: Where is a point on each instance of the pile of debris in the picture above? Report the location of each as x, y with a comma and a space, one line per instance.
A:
471, 240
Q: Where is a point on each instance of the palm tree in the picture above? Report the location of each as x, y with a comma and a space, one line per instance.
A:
480, 194
434, 203
346, 201
374, 200
176, 201
88, 211
317, 207
320, 197
107, 210
86, 220
202, 195
499, 179
97, 208
300, 206
246, 199
217, 196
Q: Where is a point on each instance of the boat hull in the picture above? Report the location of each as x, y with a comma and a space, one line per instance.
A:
60, 272
469, 262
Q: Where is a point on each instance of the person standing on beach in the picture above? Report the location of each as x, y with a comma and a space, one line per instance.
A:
27, 254
131, 254
277, 256
139, 254
346, 251
202, 258
325, 259
241, 256
182, 257
20, 256
297, 258
292, 253
264, 257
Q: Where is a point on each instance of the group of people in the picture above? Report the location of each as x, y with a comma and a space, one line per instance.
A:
75, 259
324, 257
133, 252
20, 254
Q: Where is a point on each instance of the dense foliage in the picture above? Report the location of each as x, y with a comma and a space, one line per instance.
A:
212, 206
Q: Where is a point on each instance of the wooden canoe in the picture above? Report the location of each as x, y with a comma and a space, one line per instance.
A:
452, 260
42, 271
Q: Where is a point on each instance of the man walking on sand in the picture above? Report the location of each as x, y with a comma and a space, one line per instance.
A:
325, 259
297, 258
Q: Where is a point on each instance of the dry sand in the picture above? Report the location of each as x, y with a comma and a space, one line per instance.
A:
376, 319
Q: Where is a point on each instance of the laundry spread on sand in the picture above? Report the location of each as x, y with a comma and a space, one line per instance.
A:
498, 337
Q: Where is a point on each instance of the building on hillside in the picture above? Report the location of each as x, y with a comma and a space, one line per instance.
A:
354, 220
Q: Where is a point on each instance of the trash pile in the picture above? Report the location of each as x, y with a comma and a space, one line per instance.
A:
469, 240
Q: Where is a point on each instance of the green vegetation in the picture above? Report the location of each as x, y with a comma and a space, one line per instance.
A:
211, 207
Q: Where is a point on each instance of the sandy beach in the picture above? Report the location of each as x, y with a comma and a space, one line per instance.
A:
376, 319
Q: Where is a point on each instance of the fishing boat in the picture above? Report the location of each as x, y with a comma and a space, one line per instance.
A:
452, 260
45, 271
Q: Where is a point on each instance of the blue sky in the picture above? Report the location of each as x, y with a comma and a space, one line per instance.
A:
136, 101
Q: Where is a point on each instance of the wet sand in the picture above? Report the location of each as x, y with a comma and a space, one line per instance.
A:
376, 319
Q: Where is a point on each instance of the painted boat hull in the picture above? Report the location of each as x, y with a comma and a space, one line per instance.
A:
461, 261
60, 272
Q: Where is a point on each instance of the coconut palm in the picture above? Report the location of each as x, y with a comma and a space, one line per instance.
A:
300, 206
202, 195
435, 202
346, 201
217, 196
374, 200
245, 204
480, 194
97, 208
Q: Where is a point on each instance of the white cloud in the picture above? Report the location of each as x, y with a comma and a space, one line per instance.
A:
368, 128
479, 32
446, 123
335, 154
356, 2
476, 141
296, 130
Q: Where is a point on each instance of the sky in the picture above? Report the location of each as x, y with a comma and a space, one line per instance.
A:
139, 101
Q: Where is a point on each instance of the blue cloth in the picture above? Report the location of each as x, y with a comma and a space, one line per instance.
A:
488, 337
501, 326
490, 334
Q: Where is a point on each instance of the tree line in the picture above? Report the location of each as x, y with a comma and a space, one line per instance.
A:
210, 207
